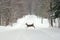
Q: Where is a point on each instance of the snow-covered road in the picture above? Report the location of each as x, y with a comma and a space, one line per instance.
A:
31, 34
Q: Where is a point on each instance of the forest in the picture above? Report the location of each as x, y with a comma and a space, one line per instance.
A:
11, 10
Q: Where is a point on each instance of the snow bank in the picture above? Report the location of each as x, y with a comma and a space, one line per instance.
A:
28, 19
31, 19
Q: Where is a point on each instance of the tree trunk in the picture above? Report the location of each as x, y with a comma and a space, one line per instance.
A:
58, 22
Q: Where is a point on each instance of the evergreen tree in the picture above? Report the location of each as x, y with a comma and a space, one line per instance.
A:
54, 9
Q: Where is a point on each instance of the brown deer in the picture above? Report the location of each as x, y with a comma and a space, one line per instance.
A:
30, 25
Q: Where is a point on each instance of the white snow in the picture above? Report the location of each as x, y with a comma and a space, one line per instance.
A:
32, 19
19, 31
38, 34
28, 19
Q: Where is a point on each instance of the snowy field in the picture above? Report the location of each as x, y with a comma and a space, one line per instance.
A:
19, 31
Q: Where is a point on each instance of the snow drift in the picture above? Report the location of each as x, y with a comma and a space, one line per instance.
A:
29, 19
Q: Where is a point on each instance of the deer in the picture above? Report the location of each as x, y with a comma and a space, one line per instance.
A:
30, 25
